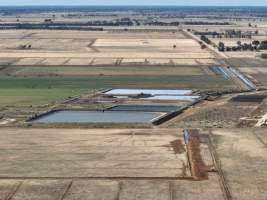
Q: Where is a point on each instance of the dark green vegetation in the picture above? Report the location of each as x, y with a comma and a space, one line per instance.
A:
101, 82
25, 96
110, 70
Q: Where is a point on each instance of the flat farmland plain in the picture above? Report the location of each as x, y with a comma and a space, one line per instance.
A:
86, 48
70, 34
62, 64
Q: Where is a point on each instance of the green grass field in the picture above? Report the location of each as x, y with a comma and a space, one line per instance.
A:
45, 85
27, 96
43, 90
98, 82
108, 71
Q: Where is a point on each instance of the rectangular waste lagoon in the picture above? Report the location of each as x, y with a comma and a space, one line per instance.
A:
71, 116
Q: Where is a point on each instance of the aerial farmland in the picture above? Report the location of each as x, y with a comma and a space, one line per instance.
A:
133, 103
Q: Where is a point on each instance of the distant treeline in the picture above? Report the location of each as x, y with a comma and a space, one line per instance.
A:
255, 45
158, 23
206, 23
206, 33
228, 34
162, 23
92, 25
52, 26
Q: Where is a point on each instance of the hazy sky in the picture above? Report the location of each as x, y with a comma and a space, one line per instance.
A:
137, 2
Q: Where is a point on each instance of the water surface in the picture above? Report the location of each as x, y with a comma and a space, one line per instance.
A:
97, 117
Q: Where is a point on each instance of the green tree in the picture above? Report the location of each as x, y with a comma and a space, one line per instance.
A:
221, 46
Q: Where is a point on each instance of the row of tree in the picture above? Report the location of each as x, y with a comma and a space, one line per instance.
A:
228, 34
157, 23
253, 46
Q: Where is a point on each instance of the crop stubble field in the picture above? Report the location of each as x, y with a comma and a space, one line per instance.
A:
83, 48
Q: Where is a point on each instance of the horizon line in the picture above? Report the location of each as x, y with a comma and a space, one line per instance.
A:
136, 5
